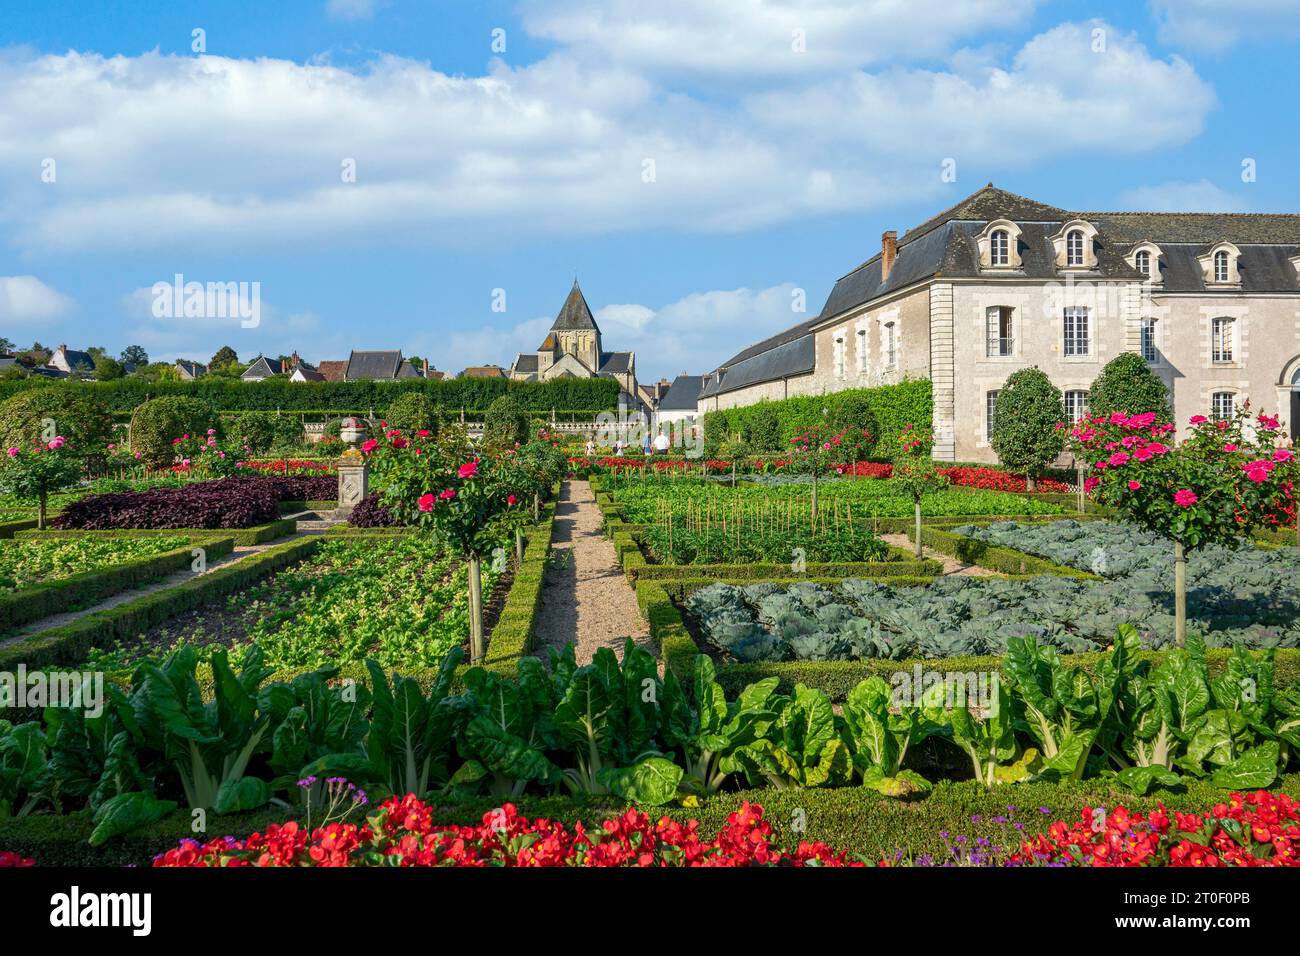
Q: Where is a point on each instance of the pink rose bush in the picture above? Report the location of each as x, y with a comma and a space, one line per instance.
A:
1214, 487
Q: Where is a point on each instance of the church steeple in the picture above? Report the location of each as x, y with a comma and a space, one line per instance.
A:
575, 331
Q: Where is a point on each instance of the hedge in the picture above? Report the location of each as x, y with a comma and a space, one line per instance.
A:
995, 557
295, 507
893, 407
90, 587
853, 819
244, 537
9, 528
512, 634
66, 646
276, 394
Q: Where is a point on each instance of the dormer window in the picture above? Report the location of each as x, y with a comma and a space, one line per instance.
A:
999, 252
1075, 245
1074, 248
1143, 262
1221, 266
999, 245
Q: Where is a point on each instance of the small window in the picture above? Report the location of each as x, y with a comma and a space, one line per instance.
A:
1221, 266
1143, 262
839, 357
1149, 340
1221, 339
1000, 248
1077, 340
1076, 405
990, 413
862, 350
1223, 405
1074, 248
1000, 341
891, 351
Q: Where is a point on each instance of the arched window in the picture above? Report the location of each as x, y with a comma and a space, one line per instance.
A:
1222, 339
1223, 405
1221, 266
1143, 262
1074, 248
999, 248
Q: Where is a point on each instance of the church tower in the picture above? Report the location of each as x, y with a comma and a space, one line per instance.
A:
575, 331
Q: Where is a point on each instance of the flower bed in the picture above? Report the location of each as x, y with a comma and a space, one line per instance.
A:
237, 502
403, 833
1253, 829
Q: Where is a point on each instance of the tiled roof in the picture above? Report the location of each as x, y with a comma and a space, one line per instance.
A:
333, 370
615, 361
683, 395
526, 362
364, 366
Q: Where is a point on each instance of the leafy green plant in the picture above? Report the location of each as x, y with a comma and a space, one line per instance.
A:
880, 738
801, 748
1127, 384
410, 732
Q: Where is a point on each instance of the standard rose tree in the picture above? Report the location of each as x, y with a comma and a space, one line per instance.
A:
817, 450
442, 487
915, 474
35, 472
1216, 487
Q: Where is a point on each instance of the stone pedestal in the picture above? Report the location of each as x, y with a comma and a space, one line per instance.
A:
353, 479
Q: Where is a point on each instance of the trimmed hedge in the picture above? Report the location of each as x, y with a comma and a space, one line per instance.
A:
294, 507
66, 646
853, 819
995, 557
10, 528
89, 587
892, 406
275, 394
512, 635
244, 537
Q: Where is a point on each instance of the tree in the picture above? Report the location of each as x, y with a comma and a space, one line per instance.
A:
159, 422
412, 412
33, 472
107, 369
1127, 384
915, 474
760, 429
1213, 488
1027, 434
6, 347
506, 423
223, 357
135, 355
47, 411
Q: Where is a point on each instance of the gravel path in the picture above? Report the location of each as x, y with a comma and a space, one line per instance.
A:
585, 597
951, 566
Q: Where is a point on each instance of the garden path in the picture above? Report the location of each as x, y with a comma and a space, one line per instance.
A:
951, 566
585, 597
172, 580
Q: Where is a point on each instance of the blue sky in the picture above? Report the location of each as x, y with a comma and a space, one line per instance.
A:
783, 139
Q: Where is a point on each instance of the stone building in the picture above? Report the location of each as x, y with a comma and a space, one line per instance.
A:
1000, 282
573, 347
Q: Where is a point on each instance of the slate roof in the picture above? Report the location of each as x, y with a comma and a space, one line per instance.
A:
47, 371
615, 362
261, 367
373, 365
407, 370
575, 314
683, 395
526, 363
194, 369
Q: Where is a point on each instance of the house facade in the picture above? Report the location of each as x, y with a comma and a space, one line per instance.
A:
573, 347
1000, 282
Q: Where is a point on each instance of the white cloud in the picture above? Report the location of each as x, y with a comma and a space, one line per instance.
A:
1214, 26
351, 9
26, 299
1198, 196
744, 39
175, 153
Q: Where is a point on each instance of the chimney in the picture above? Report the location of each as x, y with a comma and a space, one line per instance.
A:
426, 368
295, 358
888, 253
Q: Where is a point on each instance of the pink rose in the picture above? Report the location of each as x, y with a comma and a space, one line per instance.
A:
468, 470
1090, 483
1230, 447
1185, 497
426, 501
1198, 420
1134, 485
448, 494
1119, 458
13, 452
369, 446
1282, 455
511, 500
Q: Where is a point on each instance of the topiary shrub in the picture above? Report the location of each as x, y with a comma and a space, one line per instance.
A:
412, 412
1027, 432
160, 420
1127, 384
79, 418
761, 428
506, 423
259, 432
